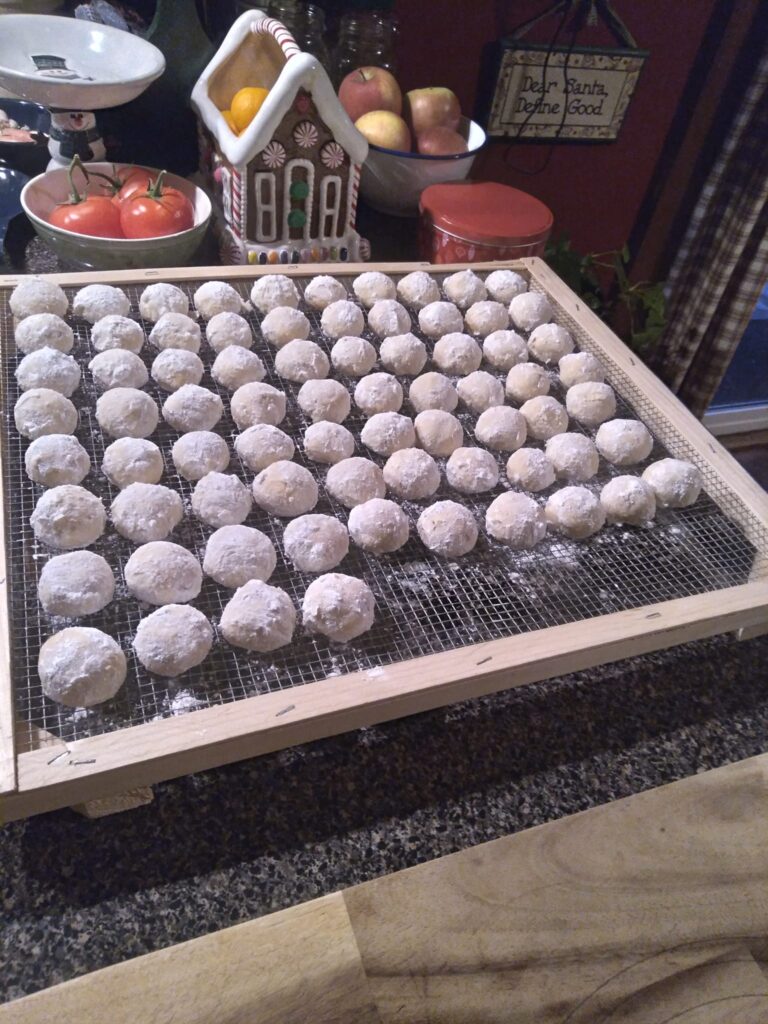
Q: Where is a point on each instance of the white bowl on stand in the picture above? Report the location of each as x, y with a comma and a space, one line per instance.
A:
88, 66
74, 67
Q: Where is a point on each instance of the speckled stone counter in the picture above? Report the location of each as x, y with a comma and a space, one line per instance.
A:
227, 845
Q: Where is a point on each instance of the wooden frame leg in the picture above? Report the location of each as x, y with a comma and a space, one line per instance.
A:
127, 801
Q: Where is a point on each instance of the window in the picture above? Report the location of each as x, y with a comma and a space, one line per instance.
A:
741, 401
266, 208
330, 206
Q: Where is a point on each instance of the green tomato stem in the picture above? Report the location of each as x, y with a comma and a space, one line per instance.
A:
154, 189
74, 195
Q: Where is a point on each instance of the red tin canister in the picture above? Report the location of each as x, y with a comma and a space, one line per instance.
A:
473, 221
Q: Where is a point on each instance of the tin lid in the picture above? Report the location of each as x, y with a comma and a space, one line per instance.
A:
486, 211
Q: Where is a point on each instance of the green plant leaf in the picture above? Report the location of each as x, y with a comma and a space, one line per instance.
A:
644, 301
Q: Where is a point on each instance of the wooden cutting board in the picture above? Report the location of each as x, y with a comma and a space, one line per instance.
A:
644, 911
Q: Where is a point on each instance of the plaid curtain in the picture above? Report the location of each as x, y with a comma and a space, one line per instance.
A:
722, 265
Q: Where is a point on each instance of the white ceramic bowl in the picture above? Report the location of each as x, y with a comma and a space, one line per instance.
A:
81, 65
392, 181
43, 193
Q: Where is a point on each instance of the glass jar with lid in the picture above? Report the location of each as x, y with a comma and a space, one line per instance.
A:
305, 22
365, 38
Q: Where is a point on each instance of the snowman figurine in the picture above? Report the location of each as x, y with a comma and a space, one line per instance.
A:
74, 133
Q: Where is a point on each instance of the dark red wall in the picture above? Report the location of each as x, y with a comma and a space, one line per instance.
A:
594, 190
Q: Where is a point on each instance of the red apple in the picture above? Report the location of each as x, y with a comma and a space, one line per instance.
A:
368, 89
386, 129
430, 108
440, 141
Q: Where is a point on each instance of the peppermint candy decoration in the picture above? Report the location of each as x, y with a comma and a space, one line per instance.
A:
305, 135
332, 155
273, 155
230, 250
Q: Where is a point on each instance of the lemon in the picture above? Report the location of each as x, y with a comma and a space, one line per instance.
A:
227, 115
246, 104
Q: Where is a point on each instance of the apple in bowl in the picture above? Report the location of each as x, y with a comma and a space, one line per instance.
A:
440, 141
433, 107
385, 129
368, 89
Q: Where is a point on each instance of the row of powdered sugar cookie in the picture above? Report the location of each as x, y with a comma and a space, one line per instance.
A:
35, 296
147, 512
167, 307
387, 305
81, 666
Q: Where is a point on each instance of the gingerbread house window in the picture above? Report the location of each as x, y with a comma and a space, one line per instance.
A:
330, 205
266, 206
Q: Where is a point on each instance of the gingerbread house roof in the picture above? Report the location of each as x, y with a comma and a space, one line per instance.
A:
259, 51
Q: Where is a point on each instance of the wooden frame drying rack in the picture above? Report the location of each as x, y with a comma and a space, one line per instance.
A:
42, 773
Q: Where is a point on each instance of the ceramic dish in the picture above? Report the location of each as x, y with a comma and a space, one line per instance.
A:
74, 65
28, 157
392, 181
46, 191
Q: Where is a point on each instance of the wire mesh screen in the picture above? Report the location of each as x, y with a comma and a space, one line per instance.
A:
424, 604
667, 435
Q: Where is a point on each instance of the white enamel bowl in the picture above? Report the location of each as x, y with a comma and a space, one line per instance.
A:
86, 67
392, 181
43, 193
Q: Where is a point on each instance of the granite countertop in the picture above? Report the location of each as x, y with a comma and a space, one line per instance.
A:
223, 846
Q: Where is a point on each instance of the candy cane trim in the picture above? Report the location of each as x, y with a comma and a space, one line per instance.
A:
273, 27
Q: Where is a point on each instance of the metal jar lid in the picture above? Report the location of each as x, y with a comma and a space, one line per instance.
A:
486, 212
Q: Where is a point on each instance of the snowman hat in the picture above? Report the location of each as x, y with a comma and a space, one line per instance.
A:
49, 62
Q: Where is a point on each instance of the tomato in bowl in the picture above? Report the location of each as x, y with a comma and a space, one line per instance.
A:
51, 191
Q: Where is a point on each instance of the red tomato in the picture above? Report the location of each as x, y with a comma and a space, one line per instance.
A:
94, 215
134, 180
156, 212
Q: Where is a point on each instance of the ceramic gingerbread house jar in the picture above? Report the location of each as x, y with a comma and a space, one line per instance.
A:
285, 189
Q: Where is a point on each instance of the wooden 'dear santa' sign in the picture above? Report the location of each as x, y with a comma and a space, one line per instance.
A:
564, 92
